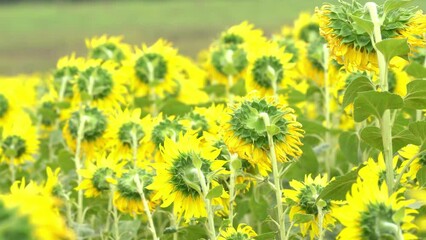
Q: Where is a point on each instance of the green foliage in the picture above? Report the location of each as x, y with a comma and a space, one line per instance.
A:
360, 84
393, 47
416, 95
337, 189
416, 70
372, 103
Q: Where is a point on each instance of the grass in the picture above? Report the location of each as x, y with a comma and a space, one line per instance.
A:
34, 36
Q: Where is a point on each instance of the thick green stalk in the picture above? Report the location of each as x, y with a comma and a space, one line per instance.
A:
114, 215
140, 186
207, 202
276, 175
232, 178
385, 122
78, 165
328, 159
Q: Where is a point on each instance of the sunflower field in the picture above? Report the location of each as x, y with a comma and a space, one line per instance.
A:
317, 132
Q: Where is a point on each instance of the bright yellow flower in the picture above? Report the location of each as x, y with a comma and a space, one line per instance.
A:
243, 232
108, 48
245, 132
371, 213
35, 216
303, 200
176, 180
19, 141
99, 174
306, 27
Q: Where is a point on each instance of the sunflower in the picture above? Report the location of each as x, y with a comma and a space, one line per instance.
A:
397, 77
205, 119
48, 112
127, 197
354, 48
99, 84
303, 200
176, 180
227, 59
153, 69
371, 213
162, 128
52, 186
243, 232
19, 141
377, 169
108, 48
245, 132
306, 28
99, 174
126, 129
270, 69
188, 93
66, 75
407, 153
29, 215
93, 133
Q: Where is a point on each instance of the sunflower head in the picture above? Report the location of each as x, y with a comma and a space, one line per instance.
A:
95, 123
167, 128
303, 199
243, 232
127, 197
4, 105
48, 112
247, 134
306, 27
108, 48
371, 213
351, 45
66, 74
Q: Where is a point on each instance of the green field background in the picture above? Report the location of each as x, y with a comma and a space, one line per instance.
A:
34, 35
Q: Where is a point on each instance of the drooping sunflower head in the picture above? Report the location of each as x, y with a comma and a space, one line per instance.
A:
108, 48
303, 199
92, 123
100, 84
19, 141
99, 174
352, 46
306, 28
243, 232
155, 68
245, 132
243, 33
28, 215
126, 132
270, 69
371, 213
177, 180
66, 75
127, 197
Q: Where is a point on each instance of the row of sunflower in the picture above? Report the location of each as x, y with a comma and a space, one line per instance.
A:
317, 132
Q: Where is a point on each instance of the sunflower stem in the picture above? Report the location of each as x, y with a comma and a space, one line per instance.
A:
385, 121
320, 223
12, 170
140, 186
113, 209
276, 175
78, 165
228, 89
328, 159
209, 209
232, 196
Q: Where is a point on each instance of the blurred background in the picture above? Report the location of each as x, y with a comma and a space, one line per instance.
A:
35, 33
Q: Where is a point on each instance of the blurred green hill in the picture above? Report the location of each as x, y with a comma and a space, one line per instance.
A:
34, 34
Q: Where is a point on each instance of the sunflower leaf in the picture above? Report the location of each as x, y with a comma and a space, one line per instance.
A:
421, 176
373, 137
416, 95
416, 70
419, 130
302, 218
337, 189
375, 103
215, 192
272, 130
393, 47
390, 5
360, 84
362, 25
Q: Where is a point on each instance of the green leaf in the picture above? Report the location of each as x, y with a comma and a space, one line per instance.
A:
174, 107
373, 137
273, 130
337, 189
236, 164
416, 70
240, 186
266, 236
363, 25
215, 192
418, 129
390, 5
302, 218
129, 228
416, 95
403, 138
398, 215
421, 176
393, 47
375, 103
360, 84
239, 88
348, 142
